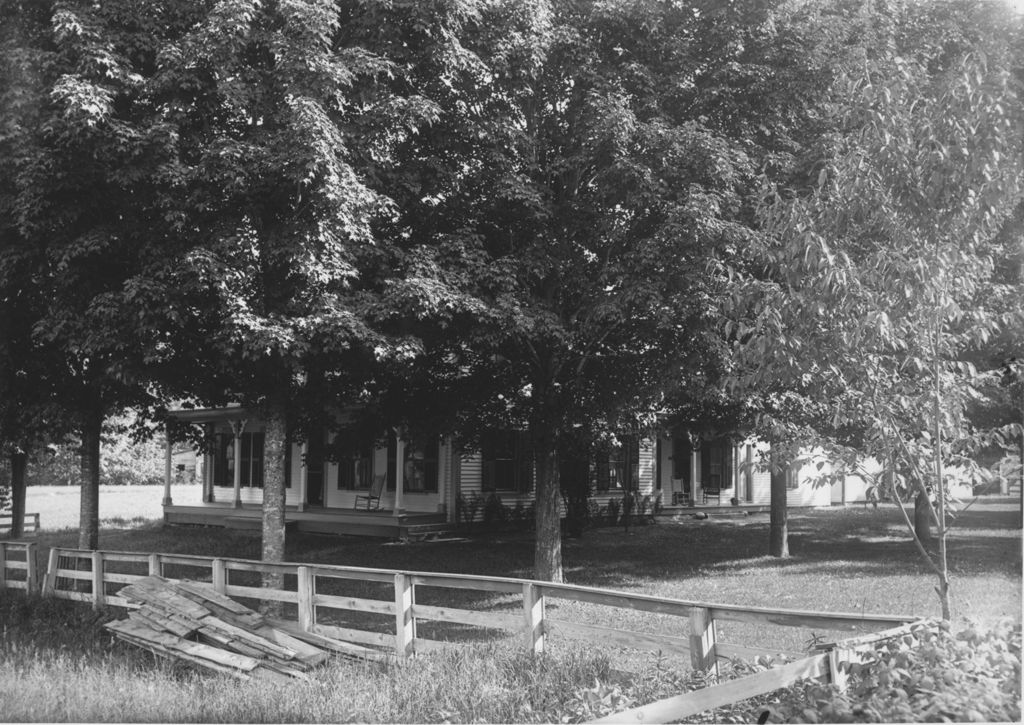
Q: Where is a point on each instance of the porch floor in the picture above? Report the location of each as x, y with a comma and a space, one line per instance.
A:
380, 522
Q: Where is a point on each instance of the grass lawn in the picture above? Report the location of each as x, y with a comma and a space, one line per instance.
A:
852, 560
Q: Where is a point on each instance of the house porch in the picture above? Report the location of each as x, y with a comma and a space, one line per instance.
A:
380, 523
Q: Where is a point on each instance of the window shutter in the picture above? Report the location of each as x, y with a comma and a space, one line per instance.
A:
487, 475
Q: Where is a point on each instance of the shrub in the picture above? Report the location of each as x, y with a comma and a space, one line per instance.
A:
495, 512
973, 675
466, 509
612, 511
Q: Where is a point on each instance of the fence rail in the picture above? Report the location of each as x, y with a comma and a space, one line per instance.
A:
832, 665
312, 592
95, 576
31, 522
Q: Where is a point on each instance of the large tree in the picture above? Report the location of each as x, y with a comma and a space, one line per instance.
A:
81, 213
559, 243
881, 272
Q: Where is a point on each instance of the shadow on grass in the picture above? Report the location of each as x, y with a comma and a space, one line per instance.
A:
855, 542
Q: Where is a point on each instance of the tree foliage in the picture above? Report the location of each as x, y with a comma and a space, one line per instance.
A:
880, 275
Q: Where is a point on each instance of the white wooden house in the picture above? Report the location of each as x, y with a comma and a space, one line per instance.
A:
329, 478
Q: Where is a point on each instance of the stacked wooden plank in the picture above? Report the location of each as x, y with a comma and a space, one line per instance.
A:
194, 623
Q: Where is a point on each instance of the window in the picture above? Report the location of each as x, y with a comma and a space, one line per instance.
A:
251, 471
419, 471
507, 461
355, 463
716, 460
619, 470
793, 475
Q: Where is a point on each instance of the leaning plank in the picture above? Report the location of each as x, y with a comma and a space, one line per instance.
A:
303, 651
254, 639
335, 645
681, 706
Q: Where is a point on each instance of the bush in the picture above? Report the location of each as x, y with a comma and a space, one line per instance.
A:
612, 510
495, 512
973, 675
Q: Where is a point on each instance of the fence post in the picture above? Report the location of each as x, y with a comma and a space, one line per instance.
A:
405, 623
3, 564
702, 639
53, 563
31, 582
220, 576
533, 611
97, 579
838, 676
306, 590
155, 566
35, 516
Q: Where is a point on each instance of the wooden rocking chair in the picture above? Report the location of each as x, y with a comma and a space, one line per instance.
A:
373, 495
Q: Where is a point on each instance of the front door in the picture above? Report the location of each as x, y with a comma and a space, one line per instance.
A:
315, 469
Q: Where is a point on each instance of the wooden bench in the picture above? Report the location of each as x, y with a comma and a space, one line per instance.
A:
709, 493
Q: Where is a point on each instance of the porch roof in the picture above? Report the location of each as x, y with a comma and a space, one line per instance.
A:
210, 415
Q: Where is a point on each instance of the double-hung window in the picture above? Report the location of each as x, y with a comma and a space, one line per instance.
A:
507, 461
251, 468
419, 472
618, 468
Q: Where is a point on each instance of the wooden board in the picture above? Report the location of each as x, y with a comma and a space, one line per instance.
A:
691, 703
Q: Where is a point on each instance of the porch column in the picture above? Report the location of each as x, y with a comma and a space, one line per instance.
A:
399, 474
442, 470
303, 477
208, 478
748, 476
168, 457
207, 459
237, 427
695, 482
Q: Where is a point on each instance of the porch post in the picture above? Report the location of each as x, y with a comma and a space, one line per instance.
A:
695, 482
748, 476
303, 477
207, 459
237, 426
442, 470
168, 457
399, 474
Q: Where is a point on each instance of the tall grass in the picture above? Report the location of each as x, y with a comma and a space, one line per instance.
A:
57, 664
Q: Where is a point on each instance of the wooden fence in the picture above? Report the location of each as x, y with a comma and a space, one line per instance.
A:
312, 593
19, 559
31, 522
832, 665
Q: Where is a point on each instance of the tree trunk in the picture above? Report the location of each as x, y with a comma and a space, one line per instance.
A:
89, 465
19, 462
547, 559
778, 532
273, 500
922, 519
